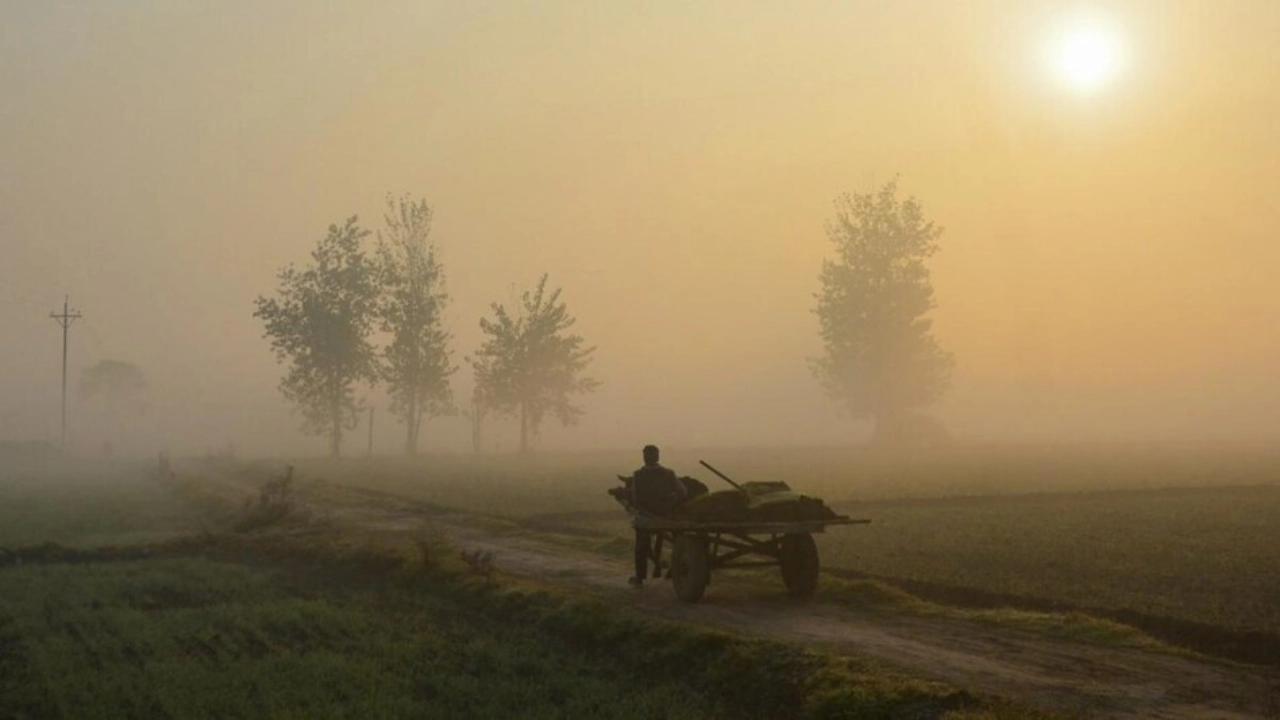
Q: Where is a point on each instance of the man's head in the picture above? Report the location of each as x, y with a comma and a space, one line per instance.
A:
650, 454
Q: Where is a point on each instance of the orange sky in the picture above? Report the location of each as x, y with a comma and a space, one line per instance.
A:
1107, 269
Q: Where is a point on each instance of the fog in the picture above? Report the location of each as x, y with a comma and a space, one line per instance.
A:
1107, 270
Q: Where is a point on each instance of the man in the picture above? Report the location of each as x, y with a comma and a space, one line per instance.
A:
655, 490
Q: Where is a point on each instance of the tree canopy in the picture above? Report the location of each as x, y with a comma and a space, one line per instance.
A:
117, 383
416, 361
880, 358
530, 364
320, 321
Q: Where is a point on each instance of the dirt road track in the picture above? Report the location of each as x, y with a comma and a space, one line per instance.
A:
1058, 675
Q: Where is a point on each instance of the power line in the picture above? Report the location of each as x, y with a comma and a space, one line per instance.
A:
67, 317
95, 338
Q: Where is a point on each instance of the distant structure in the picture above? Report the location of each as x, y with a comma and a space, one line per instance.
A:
65, 319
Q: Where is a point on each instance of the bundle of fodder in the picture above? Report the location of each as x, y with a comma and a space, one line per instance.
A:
693, 488
755, 502
721, 505
802, 507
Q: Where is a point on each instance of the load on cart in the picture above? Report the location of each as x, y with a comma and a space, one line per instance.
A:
753, 524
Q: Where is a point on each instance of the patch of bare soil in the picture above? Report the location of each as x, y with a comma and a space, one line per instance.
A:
1056, 675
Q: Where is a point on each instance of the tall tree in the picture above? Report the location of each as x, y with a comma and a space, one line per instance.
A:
119, 384
477, 415
880, 358
530, 365
118, 389
416, 363
320, 320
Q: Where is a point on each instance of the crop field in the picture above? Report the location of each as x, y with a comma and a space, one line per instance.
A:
192, 631
1202, 555
190, 637
1182, 533
128, 616
86, 505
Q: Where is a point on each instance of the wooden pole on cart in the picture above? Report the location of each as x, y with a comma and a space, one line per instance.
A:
723, 477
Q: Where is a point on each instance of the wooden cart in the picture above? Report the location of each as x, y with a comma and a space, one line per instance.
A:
698, 547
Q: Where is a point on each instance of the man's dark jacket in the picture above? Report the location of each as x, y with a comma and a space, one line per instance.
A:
655, 490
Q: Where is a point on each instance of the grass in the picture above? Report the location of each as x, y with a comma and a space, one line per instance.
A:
307, 625
874, 595
87, 505
302, 620
276, 621
191, 637
1205, 555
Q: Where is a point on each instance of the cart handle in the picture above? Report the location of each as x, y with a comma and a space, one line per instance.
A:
724, 477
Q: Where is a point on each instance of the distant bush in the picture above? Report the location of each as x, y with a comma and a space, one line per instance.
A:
274, 503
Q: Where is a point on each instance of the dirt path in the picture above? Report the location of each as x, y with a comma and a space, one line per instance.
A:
1057, 675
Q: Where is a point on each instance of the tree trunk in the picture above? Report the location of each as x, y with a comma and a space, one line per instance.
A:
335, 416
411, 425
477, 425
417, 430
524, 428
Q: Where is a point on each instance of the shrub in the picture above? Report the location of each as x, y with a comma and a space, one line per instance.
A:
274, 503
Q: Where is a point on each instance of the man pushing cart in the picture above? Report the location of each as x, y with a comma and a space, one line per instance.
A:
754, 524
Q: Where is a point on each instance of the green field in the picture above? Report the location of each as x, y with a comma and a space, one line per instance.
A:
197, 630
1204, 555
303, 620
1179, 532
182, 635
84, 505
190, 637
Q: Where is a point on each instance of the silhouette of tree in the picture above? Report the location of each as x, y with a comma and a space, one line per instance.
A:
118, 390
529, 365
320, 320
880, 358
120, 386
416, 361
476, 414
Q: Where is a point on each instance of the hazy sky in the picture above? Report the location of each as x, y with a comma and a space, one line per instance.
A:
1108, 268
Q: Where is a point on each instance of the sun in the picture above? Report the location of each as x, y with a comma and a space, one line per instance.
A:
1087, 56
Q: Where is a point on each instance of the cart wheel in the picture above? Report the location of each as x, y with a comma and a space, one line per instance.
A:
798, 555
690, 567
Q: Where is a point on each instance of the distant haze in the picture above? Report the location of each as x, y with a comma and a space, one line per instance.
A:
1108, 270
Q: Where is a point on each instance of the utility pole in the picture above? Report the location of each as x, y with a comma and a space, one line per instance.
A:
369, 450
67, 317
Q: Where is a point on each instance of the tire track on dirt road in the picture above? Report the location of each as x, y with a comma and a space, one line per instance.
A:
1053, 674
